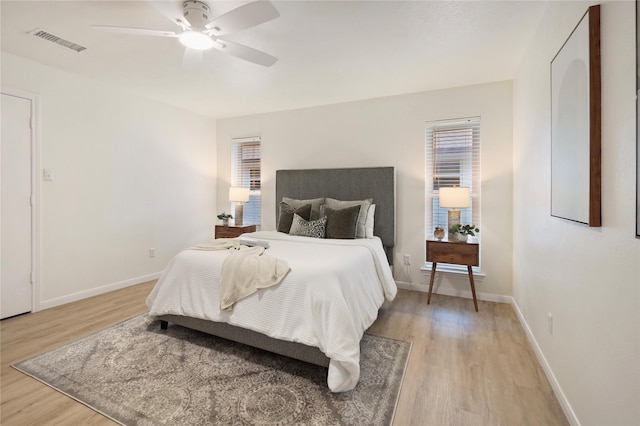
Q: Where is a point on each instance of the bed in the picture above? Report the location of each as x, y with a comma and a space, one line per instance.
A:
331, 295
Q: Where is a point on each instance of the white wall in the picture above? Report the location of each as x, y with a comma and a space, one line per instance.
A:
129, 174
390, 132
588, 278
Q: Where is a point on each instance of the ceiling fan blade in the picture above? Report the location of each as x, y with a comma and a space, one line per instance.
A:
135, 31
243, 17
246, 53
192, 59
172, 10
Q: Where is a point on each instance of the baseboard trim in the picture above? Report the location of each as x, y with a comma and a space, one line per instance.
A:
45, 304
487, 297
557, 389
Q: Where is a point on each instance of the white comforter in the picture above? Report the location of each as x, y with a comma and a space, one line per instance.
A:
328, 300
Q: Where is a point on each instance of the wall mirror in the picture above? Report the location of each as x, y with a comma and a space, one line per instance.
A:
575, 124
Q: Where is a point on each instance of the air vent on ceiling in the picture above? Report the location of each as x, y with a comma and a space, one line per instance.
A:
55, 39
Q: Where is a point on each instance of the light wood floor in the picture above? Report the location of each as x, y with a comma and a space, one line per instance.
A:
466, 368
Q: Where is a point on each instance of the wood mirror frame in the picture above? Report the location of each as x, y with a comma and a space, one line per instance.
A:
637, 119
576, 125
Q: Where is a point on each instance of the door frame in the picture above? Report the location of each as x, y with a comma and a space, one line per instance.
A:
35, 190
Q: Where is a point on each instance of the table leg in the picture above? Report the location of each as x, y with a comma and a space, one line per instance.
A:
433, 274
473, 287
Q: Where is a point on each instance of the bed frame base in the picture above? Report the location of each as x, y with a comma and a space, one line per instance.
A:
297, 351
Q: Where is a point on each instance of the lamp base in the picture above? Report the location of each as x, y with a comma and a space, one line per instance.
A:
453, 217
238, 216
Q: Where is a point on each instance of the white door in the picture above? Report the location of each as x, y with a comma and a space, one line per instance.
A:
15, 206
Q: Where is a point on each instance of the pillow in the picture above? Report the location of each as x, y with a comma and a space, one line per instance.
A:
308, 228
362, 217
341, 223
315, 205
368, 225
286, 215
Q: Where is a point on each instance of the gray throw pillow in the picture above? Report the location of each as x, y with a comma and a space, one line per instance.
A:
342, 223
306, 228
286, 215
315, 205
362, 217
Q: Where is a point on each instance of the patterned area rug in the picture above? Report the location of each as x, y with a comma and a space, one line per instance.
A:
137, 374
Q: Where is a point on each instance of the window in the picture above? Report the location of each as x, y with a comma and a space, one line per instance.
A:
245, 172
452, 159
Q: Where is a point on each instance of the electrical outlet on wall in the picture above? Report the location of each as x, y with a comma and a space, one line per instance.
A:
47, 175
407, 259
152, 252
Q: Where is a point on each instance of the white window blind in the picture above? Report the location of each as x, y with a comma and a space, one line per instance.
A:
452, 159
245, 172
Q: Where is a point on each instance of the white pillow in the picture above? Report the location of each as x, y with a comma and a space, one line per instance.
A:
368, 225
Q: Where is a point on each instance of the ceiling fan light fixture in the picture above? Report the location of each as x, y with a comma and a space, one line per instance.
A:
199, 32
196, 40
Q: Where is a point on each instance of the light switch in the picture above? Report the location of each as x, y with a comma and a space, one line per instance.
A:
47, 174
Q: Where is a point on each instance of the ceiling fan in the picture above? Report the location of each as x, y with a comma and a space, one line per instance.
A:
200, 32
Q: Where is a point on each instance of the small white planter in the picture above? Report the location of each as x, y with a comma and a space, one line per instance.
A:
460, 237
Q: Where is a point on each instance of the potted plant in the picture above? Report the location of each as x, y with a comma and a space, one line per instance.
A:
460, 232
225, 218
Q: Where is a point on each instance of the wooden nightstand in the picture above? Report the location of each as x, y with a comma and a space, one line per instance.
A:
233, 231
453, 252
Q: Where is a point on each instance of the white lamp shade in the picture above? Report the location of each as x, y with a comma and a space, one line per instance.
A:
238, 194
457, 197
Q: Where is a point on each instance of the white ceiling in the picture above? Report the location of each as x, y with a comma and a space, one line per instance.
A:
329, 51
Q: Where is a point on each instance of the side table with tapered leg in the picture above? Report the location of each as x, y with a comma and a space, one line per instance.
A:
458, 253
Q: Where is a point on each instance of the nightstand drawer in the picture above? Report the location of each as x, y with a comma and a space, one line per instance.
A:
457, 253
233, 231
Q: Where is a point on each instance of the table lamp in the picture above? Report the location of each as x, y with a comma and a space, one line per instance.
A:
238, 195
454, 198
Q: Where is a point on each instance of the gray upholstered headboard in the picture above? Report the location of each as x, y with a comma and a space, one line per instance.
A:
347, 184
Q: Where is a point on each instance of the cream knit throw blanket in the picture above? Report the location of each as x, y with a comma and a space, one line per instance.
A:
245, 270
